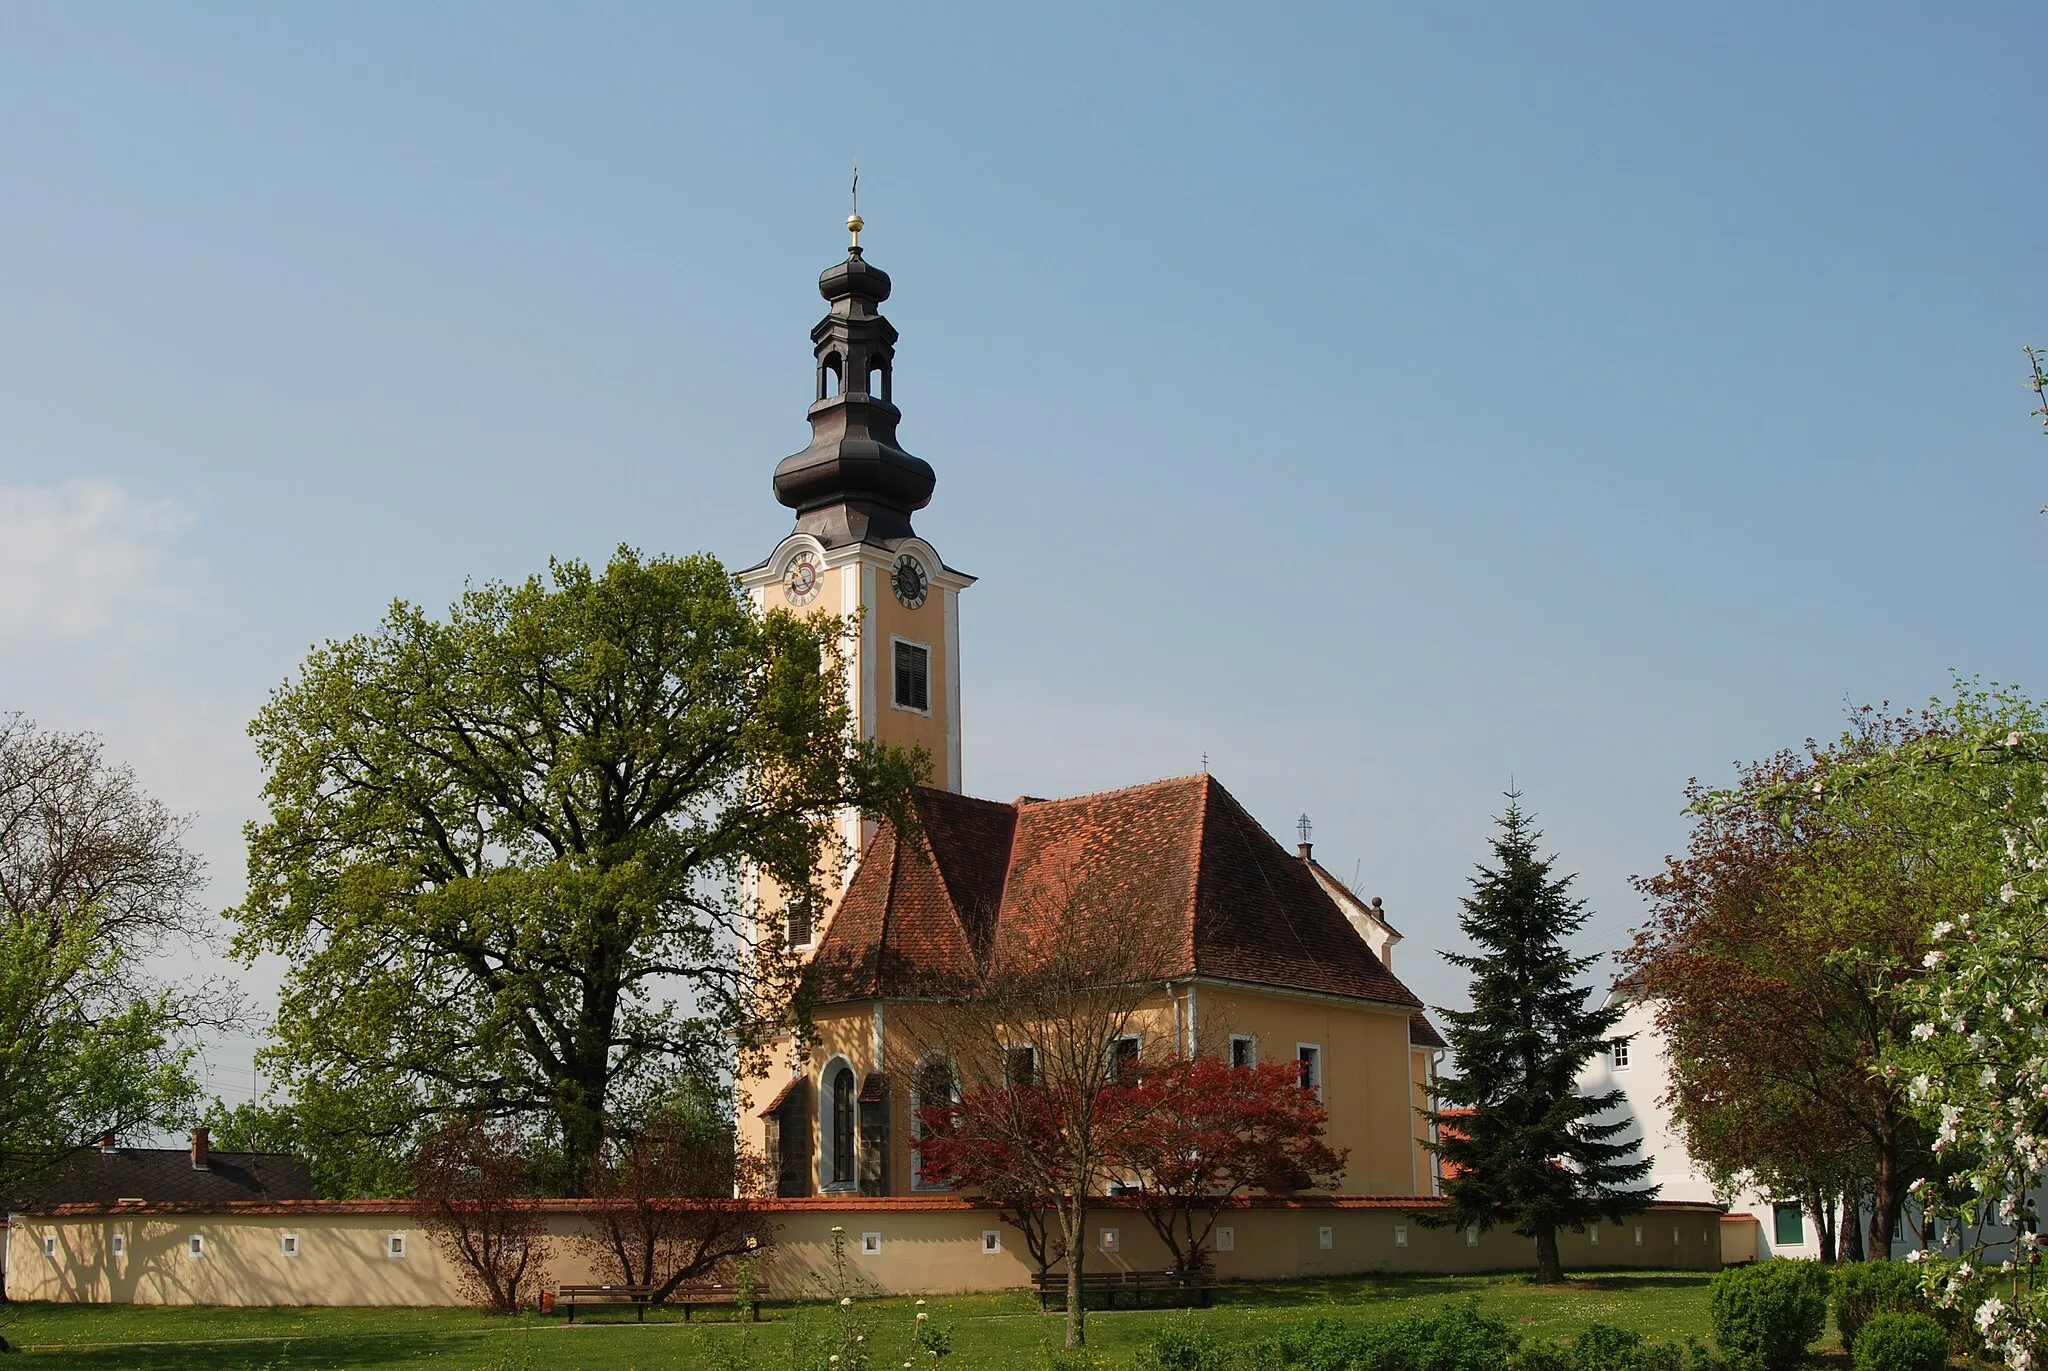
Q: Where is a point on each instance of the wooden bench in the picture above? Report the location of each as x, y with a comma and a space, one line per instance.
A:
1110, 1284
687, 1297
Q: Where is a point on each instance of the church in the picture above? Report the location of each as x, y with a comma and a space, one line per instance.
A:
1271, 958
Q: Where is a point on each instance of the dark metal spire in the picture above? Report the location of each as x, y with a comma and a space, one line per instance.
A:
854, 483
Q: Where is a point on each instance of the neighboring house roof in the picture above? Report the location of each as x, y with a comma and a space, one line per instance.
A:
964, 897
1422, 1033
166, 1175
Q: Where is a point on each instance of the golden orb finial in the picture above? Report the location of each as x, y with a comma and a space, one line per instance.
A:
854, 224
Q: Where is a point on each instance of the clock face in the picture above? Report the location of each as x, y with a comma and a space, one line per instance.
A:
801, 582
910, 582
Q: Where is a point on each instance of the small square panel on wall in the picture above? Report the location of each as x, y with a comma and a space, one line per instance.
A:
1400, 1235
1472, 1236
288, 1244
1109, 1240
991, 1240
1226, 1240
195, 1246
1326, 1238
1593, 1234
394, 1245
49, 1245
119, 1245
870, 1244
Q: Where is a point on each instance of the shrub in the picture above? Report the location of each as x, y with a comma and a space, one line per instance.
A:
1881, 1287
1900, 1342
1458, 1338
1770, 1312
1603, 1347
1181, 1347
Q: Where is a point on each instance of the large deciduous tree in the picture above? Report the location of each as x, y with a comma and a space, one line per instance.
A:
94, 878
1532, 1153
509, 852
1204, 1132
1777, 951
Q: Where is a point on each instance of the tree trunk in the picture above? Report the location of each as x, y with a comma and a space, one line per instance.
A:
1076, 1231
1820, 1205
1852, 1224
1549, 1268
1887, 1201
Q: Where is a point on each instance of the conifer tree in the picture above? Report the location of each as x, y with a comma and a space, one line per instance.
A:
1532, 1153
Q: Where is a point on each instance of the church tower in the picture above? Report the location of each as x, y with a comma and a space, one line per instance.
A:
853, 551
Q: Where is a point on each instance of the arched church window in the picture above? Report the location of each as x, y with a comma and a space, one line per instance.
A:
935, 1082
842, 1126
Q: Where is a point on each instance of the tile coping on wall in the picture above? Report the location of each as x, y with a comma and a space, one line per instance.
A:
809, 1204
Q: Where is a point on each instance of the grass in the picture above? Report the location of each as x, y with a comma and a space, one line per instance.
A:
989, 1331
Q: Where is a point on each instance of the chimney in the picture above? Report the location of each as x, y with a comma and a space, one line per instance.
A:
201, 1145
108, 1142
1304, 847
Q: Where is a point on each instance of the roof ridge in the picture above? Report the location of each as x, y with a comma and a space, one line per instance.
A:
1195, 866
942, 793
1160, 784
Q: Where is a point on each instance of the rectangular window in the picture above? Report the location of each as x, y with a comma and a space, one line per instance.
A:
991, 1240
119, 1245
1788, 1229
1326, 1238
1593, 1233
1311, 1059
1020, 1066
1472, 1236
1123, 1057
1618, 1050
288, 1243
1400, 1235
871, 1244
796, 925
1226, 1240
49, 1246
195, 1246
1244, 1050
1639, 1235
913, 676
394, 1246
1109, 1240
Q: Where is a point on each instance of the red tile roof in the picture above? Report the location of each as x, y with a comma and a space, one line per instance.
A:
924, 917
1422, 1033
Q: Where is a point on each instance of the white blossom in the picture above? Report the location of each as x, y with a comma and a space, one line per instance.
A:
1923, 1031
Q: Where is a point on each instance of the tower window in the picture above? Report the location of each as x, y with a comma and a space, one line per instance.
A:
797, 924
913, 676
1309, 1057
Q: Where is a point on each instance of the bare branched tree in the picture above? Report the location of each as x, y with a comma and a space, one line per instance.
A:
1047, 1045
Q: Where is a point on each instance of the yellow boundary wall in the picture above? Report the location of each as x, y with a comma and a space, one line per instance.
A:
343, 1253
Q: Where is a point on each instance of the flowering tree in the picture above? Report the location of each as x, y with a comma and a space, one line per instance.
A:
1205, 1132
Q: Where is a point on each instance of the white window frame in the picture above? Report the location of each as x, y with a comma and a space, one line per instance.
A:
991, 1241
1617, 1053
1326, 1238
1109, 1052
50, 1245
894, 639
1400, 1235
871, 1244
1251, 1048
394, 1246
288, 1244
1010, 1048
1109, 1240
917, 1181
826, 1147
1318, 1064
1226, 1240
195, 1245
117, 1244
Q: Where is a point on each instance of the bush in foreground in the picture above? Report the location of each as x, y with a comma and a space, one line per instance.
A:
1900, 1342
1459, 1338
1863, 1289
1771, 1312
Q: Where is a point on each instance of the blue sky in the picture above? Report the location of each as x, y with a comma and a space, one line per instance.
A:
1384, 401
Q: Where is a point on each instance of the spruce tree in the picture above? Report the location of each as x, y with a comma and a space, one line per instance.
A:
1532, 1154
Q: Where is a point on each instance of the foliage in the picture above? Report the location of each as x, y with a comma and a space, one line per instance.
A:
1531, 1153
1777, 951
1863, 1289
677, 1200
1459, 1337
509, 853
932, 1339
355, 1148
94, 879
1203, 1132
473, 1193
1770, 1312
1900, 1342
1182, 1346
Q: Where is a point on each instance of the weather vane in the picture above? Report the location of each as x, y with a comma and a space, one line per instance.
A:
854, 223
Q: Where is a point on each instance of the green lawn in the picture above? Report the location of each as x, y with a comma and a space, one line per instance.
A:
989, 1331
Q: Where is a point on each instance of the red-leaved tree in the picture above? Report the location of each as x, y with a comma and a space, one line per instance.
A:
1203, 1132
677, 1204
473, 1189
996, 1139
